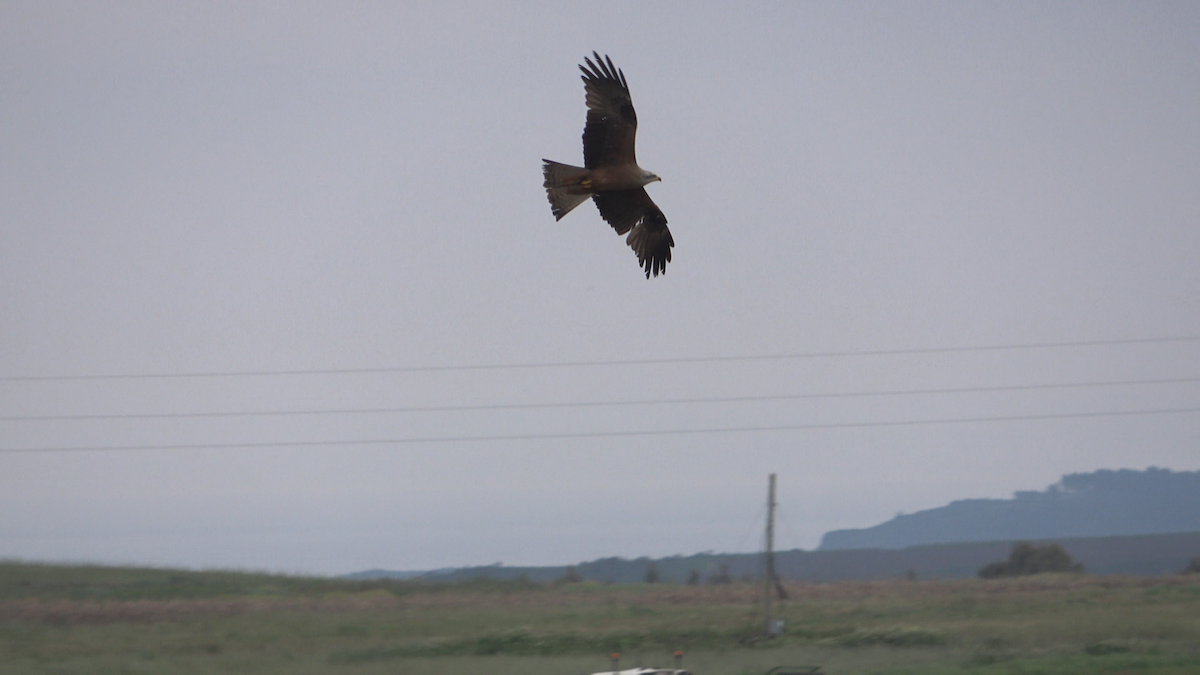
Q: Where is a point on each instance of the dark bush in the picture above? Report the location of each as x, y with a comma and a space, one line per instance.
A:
651, 573
1025, 558
722, 576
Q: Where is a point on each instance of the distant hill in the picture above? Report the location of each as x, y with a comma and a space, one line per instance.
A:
1147, 554
1099, 504
1114, 522
1150, 554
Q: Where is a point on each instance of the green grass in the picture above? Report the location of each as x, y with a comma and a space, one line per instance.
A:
98, 582
90, 619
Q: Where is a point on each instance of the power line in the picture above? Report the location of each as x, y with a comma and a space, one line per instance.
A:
600, 434
589, 364
587, 404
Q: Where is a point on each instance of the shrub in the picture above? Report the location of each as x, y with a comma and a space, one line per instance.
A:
651, 573
1025, 558
722, 576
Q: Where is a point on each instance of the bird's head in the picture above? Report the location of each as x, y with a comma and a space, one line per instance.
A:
649, 177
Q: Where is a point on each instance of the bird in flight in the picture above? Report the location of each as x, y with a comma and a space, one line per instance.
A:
610, 174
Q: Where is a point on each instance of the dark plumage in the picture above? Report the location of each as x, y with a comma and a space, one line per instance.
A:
610, 174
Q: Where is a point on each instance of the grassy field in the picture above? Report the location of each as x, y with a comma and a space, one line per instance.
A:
59, 619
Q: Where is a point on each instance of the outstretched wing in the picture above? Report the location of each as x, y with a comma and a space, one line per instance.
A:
632, 211
611, 122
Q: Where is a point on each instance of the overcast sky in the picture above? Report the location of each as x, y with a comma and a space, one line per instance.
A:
202, 204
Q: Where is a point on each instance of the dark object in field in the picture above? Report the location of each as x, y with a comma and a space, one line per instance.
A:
1026, 559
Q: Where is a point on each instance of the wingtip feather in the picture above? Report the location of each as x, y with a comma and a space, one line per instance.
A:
603, 69
652, 242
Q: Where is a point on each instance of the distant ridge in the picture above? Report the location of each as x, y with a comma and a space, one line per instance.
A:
1147, 554
1114, 522
1099, 504
1143, 554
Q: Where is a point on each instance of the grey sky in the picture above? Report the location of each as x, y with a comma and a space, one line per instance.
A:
232, 187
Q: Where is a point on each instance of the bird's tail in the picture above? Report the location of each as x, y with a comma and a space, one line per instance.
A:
562, 187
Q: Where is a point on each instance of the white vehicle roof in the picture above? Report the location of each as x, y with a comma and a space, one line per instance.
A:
645, 671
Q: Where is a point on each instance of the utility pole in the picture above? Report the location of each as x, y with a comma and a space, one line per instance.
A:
769, 585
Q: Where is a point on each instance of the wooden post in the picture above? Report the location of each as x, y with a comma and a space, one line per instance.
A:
769, 584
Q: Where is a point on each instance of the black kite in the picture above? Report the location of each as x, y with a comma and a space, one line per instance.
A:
610, 175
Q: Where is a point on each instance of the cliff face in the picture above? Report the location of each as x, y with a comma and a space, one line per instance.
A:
1099, 504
